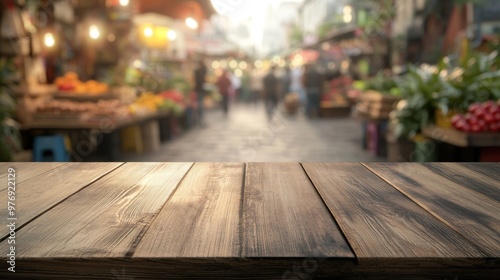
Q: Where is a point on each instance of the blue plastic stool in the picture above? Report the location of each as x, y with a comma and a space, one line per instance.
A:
50, 149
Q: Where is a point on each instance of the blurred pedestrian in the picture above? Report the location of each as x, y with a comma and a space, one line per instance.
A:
313, 83
236, 86
224, 85
256, 86
271, 91
245, 87
297, 86
200, 76
286, 82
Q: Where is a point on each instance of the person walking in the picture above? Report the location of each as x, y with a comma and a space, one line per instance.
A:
224, 85
256, 86
200, 76
297, 86
286, 83
271, 92
313, 83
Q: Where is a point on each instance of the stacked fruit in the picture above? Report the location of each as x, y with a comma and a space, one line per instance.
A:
173, 102
70, 83
483, 117
147, 103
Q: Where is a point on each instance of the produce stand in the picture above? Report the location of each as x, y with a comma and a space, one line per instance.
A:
334, 102
373, 109
108, 128
484, 146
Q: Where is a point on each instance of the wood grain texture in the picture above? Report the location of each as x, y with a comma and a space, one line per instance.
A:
202, 217
106, 219
285, 217
250, 269
463, 175
380, 222
39, 193
471, 213
491, 170
25, 171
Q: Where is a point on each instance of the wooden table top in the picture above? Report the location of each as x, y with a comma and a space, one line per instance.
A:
249, 220
103, 123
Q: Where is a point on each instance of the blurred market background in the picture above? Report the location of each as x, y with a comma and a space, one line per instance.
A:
121, 80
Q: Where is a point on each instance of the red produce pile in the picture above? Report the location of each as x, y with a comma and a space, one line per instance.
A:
480, 118
173, 95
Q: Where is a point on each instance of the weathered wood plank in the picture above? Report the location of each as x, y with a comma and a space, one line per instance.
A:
106, 219
380, 222
265, 268
472, 214
489, 169
202, 217
25, 171
463, 175
285, 217
41, 192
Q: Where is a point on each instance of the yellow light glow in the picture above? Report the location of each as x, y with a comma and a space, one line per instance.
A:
148, 32
258, 64
171, 35
233, 64
94, 32
223, 64
191, 23
49, 40
124, 3
347, 10
243, 65
347, 18
238, 73
216, 65
137, 64
282, 63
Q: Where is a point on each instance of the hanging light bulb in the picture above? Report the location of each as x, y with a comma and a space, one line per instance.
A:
94, 32
191, 23
124, 3
49, 40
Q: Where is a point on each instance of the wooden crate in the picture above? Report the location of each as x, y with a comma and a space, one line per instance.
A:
375, 105
329, 110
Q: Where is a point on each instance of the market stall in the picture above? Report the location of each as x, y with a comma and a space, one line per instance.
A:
449, 112
80, 101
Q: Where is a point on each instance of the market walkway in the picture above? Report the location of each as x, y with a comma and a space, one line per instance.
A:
247, 136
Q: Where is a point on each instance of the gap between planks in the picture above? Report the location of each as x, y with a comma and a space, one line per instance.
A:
130, 253
3, 238
242, 203
421, 205
355, 260
428, 208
